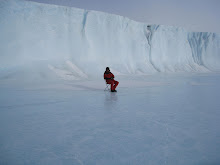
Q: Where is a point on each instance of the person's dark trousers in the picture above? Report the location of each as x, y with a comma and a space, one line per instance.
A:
114, 84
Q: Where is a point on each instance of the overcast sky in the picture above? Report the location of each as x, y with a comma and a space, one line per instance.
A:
199, 15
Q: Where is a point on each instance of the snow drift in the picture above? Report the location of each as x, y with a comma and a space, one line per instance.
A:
74, 43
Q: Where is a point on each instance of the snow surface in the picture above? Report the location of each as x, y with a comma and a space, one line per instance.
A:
156, 120
53, 107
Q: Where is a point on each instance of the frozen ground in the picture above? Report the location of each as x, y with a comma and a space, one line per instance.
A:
155, 120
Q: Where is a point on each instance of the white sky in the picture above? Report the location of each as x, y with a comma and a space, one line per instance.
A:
196, 15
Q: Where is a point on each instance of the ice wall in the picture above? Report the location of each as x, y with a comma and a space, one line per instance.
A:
75, 43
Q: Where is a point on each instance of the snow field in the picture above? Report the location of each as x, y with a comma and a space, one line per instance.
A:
173, 121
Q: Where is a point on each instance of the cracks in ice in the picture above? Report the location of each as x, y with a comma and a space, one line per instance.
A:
198, 43
76, 157
85, 15
33, 104
167, 137
148, 35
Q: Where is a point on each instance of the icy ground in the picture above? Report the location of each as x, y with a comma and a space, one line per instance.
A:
155, 120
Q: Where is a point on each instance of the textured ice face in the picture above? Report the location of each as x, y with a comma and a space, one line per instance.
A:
59, 38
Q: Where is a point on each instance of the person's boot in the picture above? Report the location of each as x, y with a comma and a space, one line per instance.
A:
113, 91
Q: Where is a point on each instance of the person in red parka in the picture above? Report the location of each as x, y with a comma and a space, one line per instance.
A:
109, 78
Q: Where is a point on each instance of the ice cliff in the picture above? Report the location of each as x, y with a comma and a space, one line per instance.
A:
75, 43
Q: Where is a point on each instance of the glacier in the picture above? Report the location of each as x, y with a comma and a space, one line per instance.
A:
76, 44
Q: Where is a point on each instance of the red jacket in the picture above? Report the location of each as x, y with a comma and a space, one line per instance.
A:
108, 76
